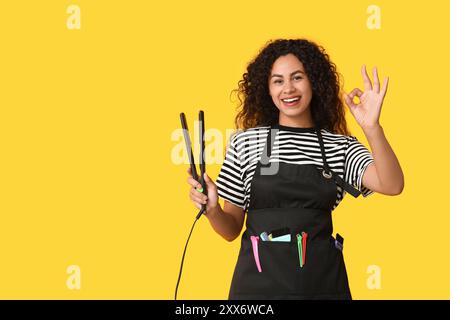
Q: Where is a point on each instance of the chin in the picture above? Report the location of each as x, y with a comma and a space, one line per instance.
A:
293, 112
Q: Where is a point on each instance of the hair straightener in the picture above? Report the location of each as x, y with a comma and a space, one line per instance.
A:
201, 179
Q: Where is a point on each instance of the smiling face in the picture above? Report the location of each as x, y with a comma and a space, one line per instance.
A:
291, 91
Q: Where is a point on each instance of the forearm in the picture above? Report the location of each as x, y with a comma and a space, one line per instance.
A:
224, 224
388, 168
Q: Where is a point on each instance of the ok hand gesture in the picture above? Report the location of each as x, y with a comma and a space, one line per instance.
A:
367, 111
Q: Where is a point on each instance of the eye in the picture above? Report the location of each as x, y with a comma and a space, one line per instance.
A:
277, 81
298, 78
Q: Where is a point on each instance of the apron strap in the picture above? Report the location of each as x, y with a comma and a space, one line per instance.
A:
267, 151
328, 173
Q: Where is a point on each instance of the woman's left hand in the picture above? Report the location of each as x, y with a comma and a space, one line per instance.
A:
367, 111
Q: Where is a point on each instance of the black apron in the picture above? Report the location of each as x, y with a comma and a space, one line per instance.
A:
301, 198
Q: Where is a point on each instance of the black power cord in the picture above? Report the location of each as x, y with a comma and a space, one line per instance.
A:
184, 252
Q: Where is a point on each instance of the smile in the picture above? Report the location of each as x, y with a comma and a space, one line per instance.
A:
291, 101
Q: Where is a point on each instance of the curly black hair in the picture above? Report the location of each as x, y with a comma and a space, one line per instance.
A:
256, 104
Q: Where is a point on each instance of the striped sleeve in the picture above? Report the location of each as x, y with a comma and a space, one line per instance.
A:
357, 159
230, 182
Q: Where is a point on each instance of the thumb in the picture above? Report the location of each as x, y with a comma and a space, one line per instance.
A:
208, 180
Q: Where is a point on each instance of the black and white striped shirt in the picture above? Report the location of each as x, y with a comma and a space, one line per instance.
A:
346, 156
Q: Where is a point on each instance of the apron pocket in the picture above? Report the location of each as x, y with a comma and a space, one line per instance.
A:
324, 272
279, 261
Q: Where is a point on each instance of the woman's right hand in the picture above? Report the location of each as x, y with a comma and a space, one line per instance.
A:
197, 197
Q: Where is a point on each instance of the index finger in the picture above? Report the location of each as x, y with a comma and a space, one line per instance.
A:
194, 183
189, 171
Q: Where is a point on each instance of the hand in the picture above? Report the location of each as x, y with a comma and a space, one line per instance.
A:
198, 197
367, 111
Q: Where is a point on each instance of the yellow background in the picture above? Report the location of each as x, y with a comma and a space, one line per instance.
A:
86, 175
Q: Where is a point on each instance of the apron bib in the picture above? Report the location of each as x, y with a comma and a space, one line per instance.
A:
299, 199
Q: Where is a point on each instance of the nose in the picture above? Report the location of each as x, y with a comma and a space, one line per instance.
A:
288, 87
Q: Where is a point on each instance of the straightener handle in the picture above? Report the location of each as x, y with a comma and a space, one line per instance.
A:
201, 120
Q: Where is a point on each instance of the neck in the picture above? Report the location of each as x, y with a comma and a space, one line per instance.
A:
305, 122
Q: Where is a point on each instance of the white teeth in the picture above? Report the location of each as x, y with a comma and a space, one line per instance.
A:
291, 100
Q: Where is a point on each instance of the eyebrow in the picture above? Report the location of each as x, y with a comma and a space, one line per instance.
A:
279, 75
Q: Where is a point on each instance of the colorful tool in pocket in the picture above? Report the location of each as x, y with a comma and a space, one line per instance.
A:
339, 242
281, 235
301, 245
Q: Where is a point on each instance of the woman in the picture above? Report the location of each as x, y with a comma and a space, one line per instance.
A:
290, 167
